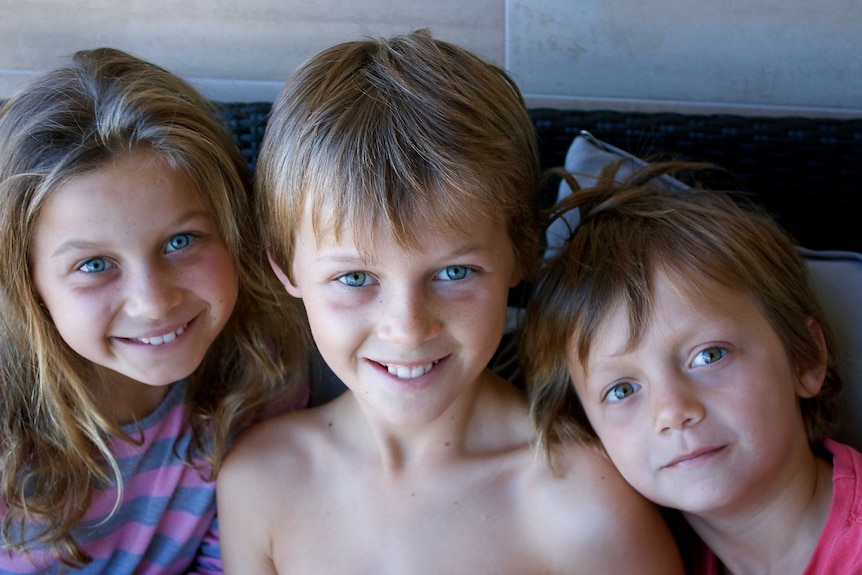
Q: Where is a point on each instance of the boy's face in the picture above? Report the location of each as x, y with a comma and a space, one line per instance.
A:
703, 414
407, 330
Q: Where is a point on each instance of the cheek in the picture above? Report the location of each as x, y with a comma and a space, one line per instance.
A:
78, 325
624, 443
334, 320
217, 274
630, 457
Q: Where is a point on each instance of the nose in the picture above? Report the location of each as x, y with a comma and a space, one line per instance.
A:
408, 317
152, 292
676, 405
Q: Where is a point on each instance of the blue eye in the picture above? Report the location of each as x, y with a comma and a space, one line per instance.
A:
178, 242
621, 391
355, 279
452, 273
708, 356
94, 266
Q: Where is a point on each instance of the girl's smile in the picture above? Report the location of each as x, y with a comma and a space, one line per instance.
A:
129, 263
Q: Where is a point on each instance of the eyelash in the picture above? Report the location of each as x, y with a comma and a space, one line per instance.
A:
634, 388
468, 271
722, 353
344, 278
108, 265
188, 236
360, 278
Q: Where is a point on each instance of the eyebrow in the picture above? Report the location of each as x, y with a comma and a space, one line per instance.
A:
86, 245
357, 257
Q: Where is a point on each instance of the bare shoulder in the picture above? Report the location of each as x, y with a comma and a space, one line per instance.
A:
594, 518
267, 485
285, 443
285, 450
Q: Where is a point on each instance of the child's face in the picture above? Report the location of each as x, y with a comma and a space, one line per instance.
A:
133, 270
407, 330
702, 415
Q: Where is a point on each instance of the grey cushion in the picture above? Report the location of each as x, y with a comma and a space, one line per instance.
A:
838, 280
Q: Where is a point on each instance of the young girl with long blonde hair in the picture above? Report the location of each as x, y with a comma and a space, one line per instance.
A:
141, 327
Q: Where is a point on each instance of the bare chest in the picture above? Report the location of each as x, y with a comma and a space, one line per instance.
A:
459, 525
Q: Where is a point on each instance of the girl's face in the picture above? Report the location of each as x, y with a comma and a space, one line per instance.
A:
133, 270
703, 413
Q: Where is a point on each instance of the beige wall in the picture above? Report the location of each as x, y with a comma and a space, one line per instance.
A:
777, 56
239, 49
746, 56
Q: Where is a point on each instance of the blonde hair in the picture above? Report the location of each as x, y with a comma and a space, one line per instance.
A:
404, 133
71, 121
629, 228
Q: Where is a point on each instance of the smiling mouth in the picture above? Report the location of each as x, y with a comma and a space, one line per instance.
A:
160, 339
406, 372
687, 459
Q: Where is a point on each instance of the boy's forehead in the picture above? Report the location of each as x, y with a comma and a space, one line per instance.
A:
349, 239
332, 221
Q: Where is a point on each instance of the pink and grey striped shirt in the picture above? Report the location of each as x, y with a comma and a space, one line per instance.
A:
166, 523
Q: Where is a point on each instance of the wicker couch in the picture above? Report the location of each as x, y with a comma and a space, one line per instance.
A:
806, 172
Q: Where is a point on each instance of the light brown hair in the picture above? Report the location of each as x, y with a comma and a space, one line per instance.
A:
396, 135
629, 227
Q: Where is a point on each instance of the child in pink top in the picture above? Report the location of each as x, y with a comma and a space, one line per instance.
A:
681, 329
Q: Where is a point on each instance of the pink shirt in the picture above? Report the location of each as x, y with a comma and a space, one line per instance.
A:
839, 549
166, 522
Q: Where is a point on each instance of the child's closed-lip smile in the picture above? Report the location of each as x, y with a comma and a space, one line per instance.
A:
694, 457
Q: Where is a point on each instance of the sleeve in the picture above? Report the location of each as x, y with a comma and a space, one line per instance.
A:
208, 559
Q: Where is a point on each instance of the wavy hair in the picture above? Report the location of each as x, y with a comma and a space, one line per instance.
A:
71, 121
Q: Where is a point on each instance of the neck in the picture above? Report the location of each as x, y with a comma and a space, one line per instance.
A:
478, 420
127, 400
777, 536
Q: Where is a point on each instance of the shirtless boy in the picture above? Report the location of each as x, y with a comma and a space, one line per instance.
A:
397, 183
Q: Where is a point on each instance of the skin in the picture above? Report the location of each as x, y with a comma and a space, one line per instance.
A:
702, 415
126, 257
426, 465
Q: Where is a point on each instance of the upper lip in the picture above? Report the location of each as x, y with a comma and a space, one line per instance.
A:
691, 455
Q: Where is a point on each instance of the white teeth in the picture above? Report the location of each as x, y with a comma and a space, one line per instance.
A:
160, 339
403, 372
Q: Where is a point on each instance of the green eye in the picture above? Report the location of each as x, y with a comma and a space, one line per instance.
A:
709, 356
621, 391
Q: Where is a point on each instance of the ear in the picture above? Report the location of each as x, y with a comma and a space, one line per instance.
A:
517, 276
810, 378
517, 270
282, 277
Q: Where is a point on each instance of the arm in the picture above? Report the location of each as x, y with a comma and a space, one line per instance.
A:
245, 540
